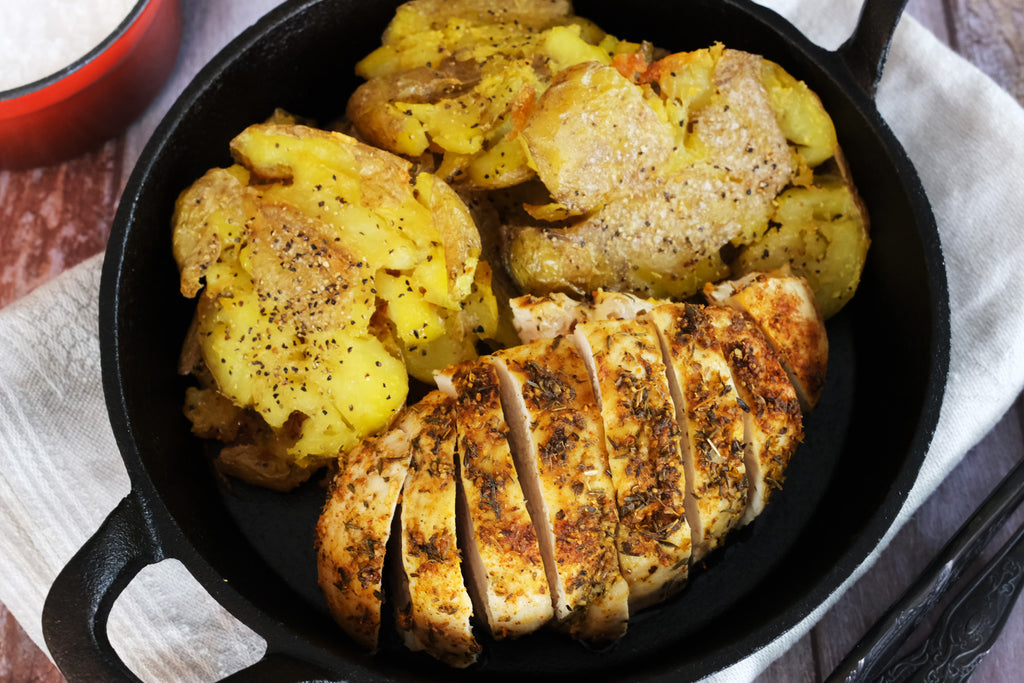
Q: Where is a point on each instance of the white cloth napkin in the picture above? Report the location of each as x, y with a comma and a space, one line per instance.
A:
61, 474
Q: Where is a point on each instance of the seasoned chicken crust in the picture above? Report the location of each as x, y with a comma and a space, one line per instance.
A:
433, 608
645, 456
556, 435
506, 570
573, 480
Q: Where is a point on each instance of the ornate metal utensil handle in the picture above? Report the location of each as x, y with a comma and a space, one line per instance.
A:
884, 639
971, 623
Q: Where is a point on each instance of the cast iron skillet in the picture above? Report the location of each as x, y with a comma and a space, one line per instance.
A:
253, 549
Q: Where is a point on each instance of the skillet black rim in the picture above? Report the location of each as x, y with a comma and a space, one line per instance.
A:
114, 300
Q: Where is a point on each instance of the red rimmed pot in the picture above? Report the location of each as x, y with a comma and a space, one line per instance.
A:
74, 110
252, 549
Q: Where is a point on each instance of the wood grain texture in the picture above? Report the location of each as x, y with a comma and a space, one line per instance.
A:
933, 15
990, 33
20, 660
53, 218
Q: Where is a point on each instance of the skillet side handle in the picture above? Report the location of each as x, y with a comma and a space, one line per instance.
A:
865, 51
78, 604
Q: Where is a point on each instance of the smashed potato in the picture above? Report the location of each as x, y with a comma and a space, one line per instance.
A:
668, 200
695, 150
451, 79
614, 164
327, 274
818, 232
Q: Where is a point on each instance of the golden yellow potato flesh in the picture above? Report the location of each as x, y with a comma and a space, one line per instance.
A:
820, 233
322, 266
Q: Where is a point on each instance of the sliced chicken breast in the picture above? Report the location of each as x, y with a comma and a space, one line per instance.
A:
711, 418
355, 524
435, 614
784, 307
773, 423
505, 569
772, 431
556, 435
645, 456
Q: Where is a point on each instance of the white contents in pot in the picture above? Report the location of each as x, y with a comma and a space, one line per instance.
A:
40, 37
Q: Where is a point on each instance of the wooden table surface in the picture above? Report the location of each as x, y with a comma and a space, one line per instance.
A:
53, 218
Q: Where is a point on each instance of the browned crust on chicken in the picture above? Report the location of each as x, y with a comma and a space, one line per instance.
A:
774, 422
644, 455
507, 577
436, 616
591, 469
784, 307
556, 434
354, 526
711, 418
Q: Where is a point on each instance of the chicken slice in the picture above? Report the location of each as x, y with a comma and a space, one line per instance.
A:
556, 435
435, 613
711, 417
773, 423
608, 305
784, 307
773, 429
644, 454
355, 524
505, 569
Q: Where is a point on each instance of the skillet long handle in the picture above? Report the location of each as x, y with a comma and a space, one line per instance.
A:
78, 604
865, 51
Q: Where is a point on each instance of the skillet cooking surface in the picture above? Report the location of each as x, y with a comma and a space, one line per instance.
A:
252, 549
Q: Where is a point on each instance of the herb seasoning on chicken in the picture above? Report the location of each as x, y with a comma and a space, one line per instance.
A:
645, 455
432, 604
504, 563
555, 427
